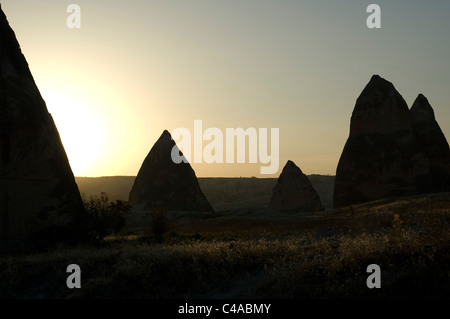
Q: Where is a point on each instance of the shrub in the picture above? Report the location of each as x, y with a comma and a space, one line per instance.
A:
104, 217
159, 225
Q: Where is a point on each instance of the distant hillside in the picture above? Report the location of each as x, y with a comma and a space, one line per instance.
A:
117, 187
222, 192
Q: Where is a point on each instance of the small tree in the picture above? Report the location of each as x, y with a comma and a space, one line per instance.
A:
96, 208
105, 217
117, 210
159, 225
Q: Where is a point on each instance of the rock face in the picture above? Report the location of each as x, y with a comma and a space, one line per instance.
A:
294, 193
40, 204
433, 142
382, 156
163, 184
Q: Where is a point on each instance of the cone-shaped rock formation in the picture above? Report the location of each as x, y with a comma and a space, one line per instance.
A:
382, 156
294, 193
40, 204
163, 184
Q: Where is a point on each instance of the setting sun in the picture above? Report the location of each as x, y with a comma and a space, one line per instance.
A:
80, 128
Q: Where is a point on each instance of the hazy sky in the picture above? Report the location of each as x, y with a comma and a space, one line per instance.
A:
137, 67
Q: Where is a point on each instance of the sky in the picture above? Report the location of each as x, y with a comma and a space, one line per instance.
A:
136, 68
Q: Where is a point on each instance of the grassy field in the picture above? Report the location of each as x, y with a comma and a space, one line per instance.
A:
250, 255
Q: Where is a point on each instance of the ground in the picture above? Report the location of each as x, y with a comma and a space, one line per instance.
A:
256, 253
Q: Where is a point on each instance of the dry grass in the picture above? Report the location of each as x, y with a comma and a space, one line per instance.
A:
319, 256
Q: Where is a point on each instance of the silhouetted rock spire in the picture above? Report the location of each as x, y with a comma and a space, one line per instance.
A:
294, 193
163, 184
40, 204
433, 142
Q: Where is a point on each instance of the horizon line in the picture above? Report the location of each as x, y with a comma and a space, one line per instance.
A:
256, 177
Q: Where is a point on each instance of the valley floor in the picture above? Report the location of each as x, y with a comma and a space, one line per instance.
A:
245, 254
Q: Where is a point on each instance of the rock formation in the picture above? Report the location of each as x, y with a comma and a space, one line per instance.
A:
433, 142
163, 184
40, 204
382, 156
294, 193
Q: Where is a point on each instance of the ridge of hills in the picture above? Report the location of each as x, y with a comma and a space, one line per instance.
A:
224, 193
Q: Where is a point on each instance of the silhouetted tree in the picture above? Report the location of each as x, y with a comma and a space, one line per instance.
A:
159, 225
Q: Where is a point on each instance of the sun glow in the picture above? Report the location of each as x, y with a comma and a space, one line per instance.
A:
80, 128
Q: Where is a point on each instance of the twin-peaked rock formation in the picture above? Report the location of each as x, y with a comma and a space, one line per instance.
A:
294, 193
163, 184
40, 204
391, 150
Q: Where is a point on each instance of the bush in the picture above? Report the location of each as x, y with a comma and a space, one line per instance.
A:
104, 217
159, 225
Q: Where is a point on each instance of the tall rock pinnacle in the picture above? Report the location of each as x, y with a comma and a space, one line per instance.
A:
40, 204
433, 142
294, 193
382, 156
163, 184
